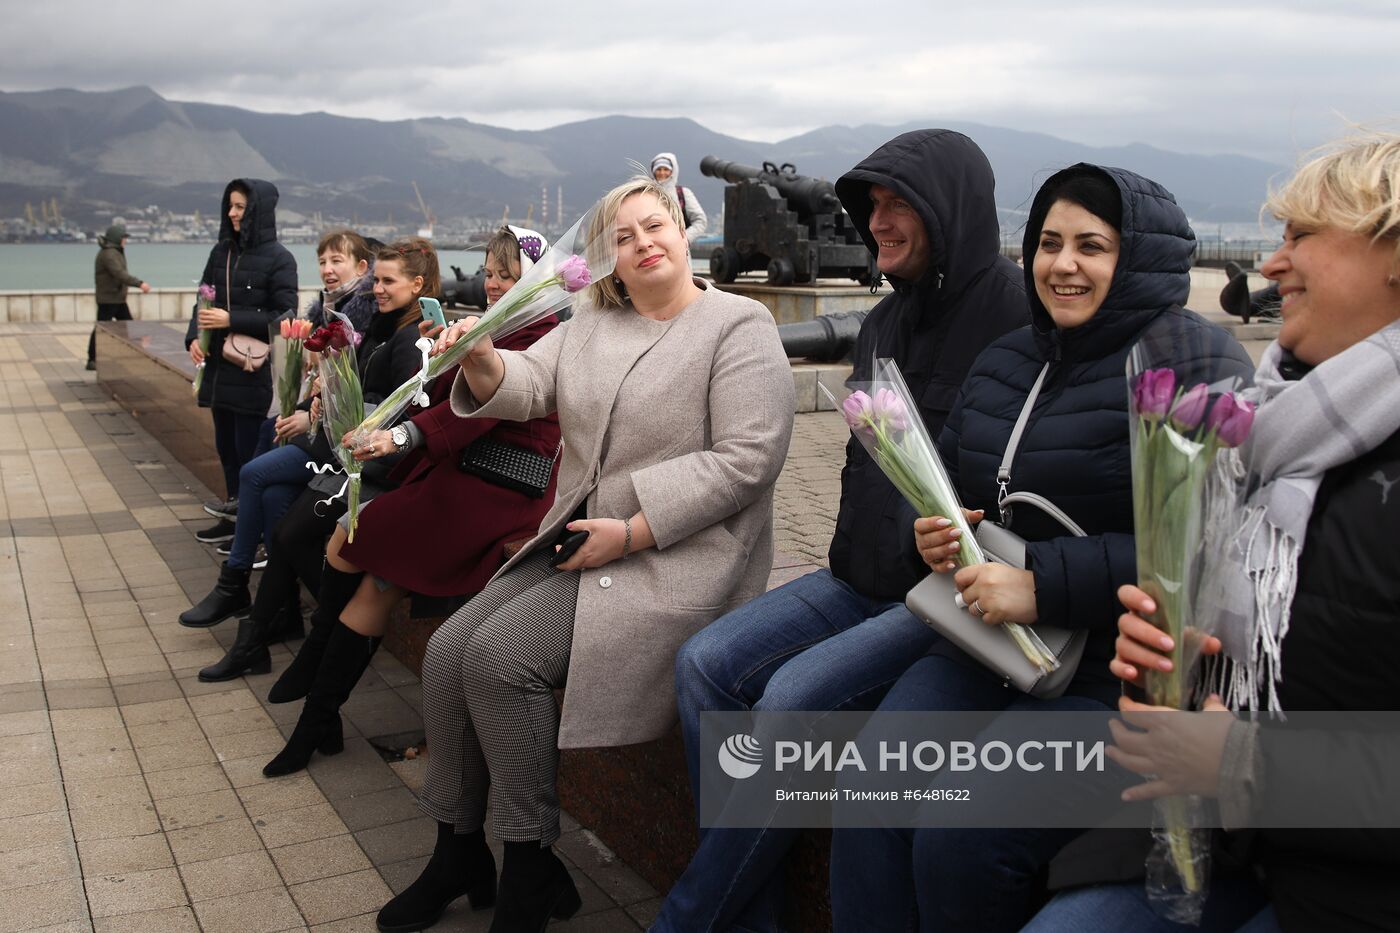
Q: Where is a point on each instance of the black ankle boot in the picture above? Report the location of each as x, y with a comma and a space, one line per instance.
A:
535, 887
229, 596
247, 655
346, 656
337, 589
461, 864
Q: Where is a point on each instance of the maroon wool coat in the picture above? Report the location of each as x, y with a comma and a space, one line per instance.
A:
442, 532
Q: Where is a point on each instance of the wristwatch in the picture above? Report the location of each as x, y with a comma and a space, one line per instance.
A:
399, 435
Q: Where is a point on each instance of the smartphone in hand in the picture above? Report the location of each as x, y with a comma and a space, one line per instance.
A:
568, 543
432, 311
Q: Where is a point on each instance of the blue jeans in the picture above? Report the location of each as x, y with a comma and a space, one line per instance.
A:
812, 644
1236, 902
235, 440
267, 437
268, 485
900, 878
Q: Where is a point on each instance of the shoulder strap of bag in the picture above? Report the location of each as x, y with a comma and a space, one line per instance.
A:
1004, 471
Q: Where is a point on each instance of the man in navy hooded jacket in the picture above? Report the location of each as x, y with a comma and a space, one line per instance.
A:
924, 204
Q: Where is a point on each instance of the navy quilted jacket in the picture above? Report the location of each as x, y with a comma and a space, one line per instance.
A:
1075, 448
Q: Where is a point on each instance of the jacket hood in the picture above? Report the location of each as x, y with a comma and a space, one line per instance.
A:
259, 220
947, 179
670, 159
1156, 244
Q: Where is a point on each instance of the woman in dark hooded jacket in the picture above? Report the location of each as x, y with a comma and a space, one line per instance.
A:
255, 282
1107, 266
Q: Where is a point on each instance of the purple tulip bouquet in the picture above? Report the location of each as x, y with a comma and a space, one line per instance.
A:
886, 422
1179, 499
577, 259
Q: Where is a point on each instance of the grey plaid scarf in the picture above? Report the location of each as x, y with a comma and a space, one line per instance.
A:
1342, 409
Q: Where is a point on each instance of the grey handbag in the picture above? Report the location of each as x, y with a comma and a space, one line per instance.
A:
932, 600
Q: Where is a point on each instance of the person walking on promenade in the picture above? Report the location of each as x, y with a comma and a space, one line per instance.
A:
112, 280
836, 639
675, 400
254, 278
665, 168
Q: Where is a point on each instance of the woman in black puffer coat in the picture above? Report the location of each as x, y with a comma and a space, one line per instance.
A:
1107, 266
255, 282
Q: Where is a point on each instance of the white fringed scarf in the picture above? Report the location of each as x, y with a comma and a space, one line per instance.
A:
1342, 409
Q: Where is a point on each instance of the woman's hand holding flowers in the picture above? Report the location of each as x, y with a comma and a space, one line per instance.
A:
294, 425
213, 318
937, 540
1141, 645
480, 355
996, 593
376, 444
1178, 752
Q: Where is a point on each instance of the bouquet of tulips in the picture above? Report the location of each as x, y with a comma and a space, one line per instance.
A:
206, 301
342, 398
294, 332
1180, 502
885, 420
577, 259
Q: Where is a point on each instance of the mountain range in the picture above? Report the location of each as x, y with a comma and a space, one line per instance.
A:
97, 152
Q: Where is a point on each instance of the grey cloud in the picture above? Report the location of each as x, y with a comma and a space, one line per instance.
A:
1254, 77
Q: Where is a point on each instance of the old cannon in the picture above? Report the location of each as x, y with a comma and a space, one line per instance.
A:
827, 338
466, 290
790, 225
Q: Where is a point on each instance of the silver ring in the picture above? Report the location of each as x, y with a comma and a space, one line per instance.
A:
977, 607
959, 601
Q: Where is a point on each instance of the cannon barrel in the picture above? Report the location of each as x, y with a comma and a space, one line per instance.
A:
825, 339
815, 195
467, 290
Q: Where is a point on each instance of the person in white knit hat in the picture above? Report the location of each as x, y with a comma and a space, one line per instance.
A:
665, 168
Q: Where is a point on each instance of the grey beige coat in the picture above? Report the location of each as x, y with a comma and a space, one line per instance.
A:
687, 420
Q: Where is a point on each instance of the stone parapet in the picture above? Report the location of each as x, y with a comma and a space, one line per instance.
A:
64, 305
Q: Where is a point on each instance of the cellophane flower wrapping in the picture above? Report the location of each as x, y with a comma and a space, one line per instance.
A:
1184, 509
206, 301
342, 398
290, 380
584, 254
883, 417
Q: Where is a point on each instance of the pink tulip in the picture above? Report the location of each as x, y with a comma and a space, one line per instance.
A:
285, 328
1191, 408
888, 408
1231, 419
859, 411
206, 292
1152, 395
574, 273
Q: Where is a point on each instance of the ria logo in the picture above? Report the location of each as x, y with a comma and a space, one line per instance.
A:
740, 756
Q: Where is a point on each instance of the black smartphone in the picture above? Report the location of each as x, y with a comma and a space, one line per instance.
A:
568, 542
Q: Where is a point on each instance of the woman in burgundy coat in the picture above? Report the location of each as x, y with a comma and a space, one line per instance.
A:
440, 532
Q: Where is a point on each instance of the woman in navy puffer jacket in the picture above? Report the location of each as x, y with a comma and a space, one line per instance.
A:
1107, 266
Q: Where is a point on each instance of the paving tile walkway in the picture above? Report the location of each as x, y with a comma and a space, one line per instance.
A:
134, 799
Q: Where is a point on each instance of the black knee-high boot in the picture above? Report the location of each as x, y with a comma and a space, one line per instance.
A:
346, 656
461, 864
337, 589
535, 887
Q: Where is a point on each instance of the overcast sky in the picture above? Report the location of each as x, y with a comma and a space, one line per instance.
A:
1268, 79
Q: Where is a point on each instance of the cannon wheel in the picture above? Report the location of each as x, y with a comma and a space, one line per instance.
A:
780, 271
725, 264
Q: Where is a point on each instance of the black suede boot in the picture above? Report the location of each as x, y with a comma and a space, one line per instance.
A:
337, 589
461, 864
288, 625
535, 887
229, 596
247, 655
346, 656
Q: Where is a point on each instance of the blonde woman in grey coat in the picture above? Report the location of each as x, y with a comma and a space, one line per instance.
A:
675, 402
